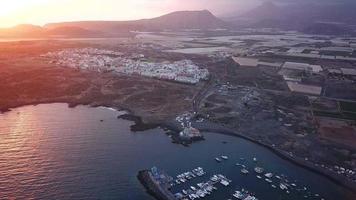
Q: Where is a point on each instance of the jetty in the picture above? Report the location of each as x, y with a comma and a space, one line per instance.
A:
157, 183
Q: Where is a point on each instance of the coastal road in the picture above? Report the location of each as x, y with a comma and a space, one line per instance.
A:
198, 98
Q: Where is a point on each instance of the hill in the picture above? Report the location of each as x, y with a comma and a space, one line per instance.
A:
176, 20
302, 17
71, 31
185, 20
23, 30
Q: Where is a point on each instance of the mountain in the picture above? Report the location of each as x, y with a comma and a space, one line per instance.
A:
267, 10
175, 21
71, 31
342, 12
185, 20
102, 26
23, 30
31, 31
302, 16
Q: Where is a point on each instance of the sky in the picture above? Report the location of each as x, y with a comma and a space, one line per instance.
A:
40, 12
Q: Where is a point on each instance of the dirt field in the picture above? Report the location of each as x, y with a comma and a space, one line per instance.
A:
25, 79
339, 131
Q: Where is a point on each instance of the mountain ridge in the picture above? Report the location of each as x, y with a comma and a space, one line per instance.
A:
201, 19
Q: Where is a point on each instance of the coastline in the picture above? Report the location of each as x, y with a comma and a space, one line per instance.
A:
205, 127
215, 128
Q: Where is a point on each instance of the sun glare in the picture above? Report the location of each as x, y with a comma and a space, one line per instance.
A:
13, 11
9, 7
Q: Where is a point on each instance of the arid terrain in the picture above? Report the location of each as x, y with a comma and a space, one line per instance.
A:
254, 102
26, 79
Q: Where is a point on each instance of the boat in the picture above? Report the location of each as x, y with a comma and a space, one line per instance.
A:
214, 178
224, 183
259, 177
259, 170
269, 175
239, 195
268, 180
218, 159
283, 186
224, 157
244, 171
249, 197
274, 186
255, 159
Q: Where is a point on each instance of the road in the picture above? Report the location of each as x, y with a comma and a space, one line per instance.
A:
198, 98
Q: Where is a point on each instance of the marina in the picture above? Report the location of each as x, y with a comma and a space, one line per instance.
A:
204, 189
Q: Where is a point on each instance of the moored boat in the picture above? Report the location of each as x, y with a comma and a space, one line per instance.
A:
259, 170
244, 171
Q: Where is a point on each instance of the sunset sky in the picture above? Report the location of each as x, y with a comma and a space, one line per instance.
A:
39, 12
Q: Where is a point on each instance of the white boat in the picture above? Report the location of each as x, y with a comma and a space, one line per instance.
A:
255, 159
224, 183
283, 186
244, 171
268, 180
249, 197
274, 186
259, 177
224, 157
269, 175
239, 195
259, 170
214, 178
218, 159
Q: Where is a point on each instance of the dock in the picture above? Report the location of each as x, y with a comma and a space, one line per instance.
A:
156, 183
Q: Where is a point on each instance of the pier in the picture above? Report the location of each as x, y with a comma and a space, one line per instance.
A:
157, 183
